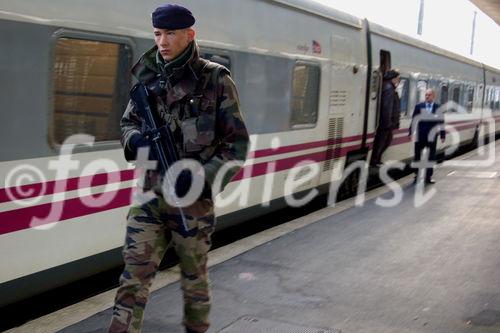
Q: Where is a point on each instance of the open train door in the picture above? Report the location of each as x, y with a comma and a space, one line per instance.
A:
383, 59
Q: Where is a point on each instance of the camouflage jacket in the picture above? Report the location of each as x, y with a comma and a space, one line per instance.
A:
190, 96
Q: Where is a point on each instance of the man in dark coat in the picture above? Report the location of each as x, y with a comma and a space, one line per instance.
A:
198, 101
389, 116
427, 123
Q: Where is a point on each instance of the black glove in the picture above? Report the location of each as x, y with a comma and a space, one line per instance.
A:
137, 141
183, 183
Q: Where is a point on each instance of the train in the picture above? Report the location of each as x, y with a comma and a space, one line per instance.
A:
308, 77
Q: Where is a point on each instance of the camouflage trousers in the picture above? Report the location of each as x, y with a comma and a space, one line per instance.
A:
151, 229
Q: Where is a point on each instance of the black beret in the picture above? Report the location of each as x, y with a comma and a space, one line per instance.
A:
172, 17
391, 74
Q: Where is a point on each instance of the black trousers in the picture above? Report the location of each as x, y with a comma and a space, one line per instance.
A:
419, 147
383, 138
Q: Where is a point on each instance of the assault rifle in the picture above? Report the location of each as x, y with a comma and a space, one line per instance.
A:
162, 141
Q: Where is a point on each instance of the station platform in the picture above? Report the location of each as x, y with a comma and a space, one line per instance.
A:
361, 269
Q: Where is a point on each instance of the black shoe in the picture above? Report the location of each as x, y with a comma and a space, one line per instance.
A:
430, 181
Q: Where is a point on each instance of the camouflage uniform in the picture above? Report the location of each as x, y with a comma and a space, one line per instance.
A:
187, 88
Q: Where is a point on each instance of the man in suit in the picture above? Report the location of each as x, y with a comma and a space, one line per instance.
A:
427, 122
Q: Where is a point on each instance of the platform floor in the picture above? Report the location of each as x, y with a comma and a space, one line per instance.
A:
435, 268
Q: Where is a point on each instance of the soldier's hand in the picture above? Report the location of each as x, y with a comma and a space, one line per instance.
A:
137, 141
141, 141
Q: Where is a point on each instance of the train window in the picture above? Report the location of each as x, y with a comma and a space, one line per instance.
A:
305, 95
374, 86
470, 98
403, 89
497, 99
444, 95
90, 88
492, 99
456, 98
488, 101
421, 88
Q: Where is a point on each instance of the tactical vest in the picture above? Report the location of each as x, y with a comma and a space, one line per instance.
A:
192, 119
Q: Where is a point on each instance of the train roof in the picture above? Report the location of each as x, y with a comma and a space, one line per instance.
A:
339, 16
491, 69
321, 10
21, 12
406, 39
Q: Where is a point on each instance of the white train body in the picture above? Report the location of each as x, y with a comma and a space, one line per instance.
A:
269, 44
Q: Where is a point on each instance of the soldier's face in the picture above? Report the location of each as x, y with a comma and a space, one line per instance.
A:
172, 43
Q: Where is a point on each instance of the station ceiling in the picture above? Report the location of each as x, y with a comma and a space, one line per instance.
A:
490, 8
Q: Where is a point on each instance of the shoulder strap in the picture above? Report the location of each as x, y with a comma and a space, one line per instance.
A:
215, 70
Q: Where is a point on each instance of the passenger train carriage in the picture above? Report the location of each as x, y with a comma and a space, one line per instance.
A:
309, 83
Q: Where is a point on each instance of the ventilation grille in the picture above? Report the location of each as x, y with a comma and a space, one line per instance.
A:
334, 150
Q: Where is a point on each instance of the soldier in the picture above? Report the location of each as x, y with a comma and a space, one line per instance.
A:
198, 100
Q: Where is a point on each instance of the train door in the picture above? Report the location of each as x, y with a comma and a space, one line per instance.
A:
384, 67
385, 61
346, 108
385, 64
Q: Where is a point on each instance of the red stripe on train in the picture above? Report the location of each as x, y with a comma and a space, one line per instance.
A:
260, 169
304, 146
20, 219
64, 185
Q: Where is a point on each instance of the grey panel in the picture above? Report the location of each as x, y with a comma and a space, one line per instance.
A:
24, 64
